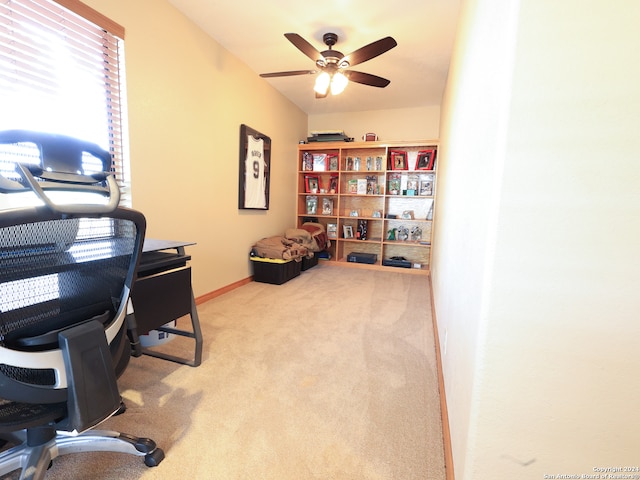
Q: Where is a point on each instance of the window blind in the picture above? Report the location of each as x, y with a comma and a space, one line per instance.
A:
62, 71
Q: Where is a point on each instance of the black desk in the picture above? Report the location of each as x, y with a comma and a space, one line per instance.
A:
162, 293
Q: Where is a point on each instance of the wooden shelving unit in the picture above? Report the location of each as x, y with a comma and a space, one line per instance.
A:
344, 183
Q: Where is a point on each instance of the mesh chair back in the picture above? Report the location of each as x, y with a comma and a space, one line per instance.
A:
60, 271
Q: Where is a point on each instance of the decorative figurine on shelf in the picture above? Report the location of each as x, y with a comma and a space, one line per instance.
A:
362, 230
391, 234
416, 234
403, 233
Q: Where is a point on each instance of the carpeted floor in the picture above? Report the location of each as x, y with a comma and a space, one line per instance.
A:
329, 376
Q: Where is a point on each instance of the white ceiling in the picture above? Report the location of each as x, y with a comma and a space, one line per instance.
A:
254, 32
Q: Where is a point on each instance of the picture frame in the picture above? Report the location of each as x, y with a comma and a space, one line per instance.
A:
327, 206
426, 186
394, 184
312, 205
332, 160
426, 159
333, 184
332, 230
254, 173
398, 160
312, 184
347, 231
307, 161
319, 162
348, 164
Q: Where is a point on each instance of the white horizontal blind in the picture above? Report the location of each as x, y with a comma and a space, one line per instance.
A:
62, 73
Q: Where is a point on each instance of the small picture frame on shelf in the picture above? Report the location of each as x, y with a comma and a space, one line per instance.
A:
327, 206
311, 184
348, 164
333, 184
398, 160
372, 185
312, 205
426, 186
332, 230
394, 186
332, 160
347, 231
319, 162
426, 159
307, 161
378, 164
412, 184
362, 186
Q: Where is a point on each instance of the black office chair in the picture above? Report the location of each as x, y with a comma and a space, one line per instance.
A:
66, 270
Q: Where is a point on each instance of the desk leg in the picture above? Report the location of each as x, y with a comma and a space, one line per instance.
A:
196, 334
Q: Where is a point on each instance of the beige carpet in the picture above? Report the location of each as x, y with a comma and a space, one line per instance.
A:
329, 376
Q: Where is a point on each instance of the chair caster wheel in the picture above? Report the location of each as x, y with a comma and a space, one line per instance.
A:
154, 458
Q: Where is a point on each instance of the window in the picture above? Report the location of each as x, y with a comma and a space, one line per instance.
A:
62, 71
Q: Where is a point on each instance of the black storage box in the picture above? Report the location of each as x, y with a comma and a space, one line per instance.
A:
359, 257
308, 263
274, 271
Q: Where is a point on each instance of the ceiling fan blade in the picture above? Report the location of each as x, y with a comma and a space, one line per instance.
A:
304, 46
371, 51
288, 74
367, 79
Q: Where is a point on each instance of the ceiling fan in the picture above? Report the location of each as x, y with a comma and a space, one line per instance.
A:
333, 65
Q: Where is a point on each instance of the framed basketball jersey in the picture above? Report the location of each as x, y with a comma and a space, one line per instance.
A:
255, 162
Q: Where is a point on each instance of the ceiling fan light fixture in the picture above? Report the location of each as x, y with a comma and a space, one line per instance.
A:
322, 83
338, 83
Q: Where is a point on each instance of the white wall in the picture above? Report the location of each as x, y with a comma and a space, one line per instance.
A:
402, 124
535, 267
187, 97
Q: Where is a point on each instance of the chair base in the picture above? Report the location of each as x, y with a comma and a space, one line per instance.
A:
34, 461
